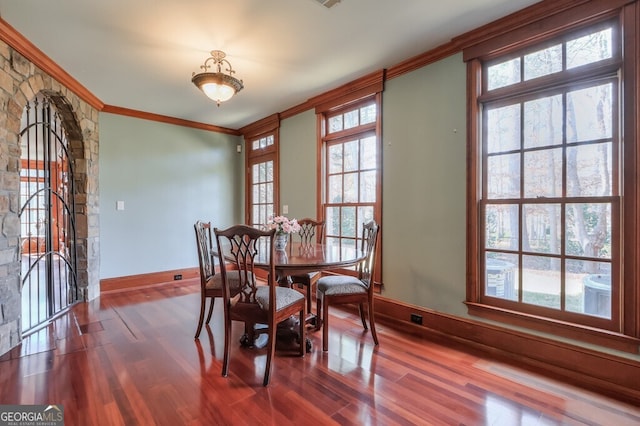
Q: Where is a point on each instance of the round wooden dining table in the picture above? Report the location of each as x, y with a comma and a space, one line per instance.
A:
298, 259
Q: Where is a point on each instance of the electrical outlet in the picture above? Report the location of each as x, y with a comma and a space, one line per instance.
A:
177, 277
416, 319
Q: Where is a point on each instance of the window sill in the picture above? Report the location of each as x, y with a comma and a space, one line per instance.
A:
607, 339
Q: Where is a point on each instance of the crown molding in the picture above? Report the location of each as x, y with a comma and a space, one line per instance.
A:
166, 119
20, 44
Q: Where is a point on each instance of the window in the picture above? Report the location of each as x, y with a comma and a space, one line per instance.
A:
262, 190
351, 172
548, 237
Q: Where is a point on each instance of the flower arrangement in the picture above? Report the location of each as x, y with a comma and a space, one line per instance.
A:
283, 225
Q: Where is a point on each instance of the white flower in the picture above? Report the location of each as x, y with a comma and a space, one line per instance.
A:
283, 225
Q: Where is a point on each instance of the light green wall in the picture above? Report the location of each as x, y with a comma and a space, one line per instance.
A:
424, 176
168, 177
298, 174
424, 184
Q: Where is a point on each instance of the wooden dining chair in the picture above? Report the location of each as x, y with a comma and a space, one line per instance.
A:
311, 232
243, 247
346, 289
210, 282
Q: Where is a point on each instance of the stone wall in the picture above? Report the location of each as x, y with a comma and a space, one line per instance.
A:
20, 81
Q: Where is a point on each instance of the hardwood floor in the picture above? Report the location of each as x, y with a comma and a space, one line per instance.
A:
129, 358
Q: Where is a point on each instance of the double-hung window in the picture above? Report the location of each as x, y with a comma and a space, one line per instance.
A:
261, 140
351, 172
547, 235
350, 182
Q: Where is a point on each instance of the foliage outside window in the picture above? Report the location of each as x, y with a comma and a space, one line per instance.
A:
549, 213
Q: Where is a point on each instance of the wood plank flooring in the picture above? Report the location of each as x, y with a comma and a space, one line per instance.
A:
129, 358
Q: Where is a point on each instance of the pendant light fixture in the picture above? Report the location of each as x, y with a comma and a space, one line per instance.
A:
218, 85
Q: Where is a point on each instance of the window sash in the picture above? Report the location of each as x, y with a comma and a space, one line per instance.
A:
563, 81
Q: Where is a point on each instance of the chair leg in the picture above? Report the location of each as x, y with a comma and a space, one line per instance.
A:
318, 312
303, 332
227, 343
309, 297
361, 309
373, 323
270, 353
213, 299
325, 326
203, 301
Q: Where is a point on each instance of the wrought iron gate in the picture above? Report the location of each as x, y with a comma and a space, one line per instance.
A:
47, 216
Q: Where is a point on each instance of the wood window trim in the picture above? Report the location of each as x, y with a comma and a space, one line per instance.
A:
271, 153
346, 99
628, 12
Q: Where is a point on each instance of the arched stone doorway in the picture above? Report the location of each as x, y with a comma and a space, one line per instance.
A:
49, 275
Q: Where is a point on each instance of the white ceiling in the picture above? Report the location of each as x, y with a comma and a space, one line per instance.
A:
140, 54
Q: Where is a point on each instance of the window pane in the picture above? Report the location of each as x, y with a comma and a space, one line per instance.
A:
589, 113
335, 123
368, 114
543, 173
269, 192
542, 228
365, 214
335, 159
348, 225
256, 194
368, 154
543, 62
334, 194
589, 171
368, 187
350, 190
351, 119
503, 74
502, 226
503, 129
589, 49
501, 275
543, 122
588, 287
333, 221
503, 176
269, 171
589, 230
351, 156
541, 281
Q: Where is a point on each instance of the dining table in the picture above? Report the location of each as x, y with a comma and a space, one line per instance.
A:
298, 258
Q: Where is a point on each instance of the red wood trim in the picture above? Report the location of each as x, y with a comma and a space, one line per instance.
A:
20, 44
598, 336
631, 158
605, 373
533, 24
419, 61
352, 91
166, 119
265, 125
474, 89
296, 110
134, 282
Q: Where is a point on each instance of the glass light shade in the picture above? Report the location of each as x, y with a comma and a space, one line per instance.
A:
218, 92
218, 86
